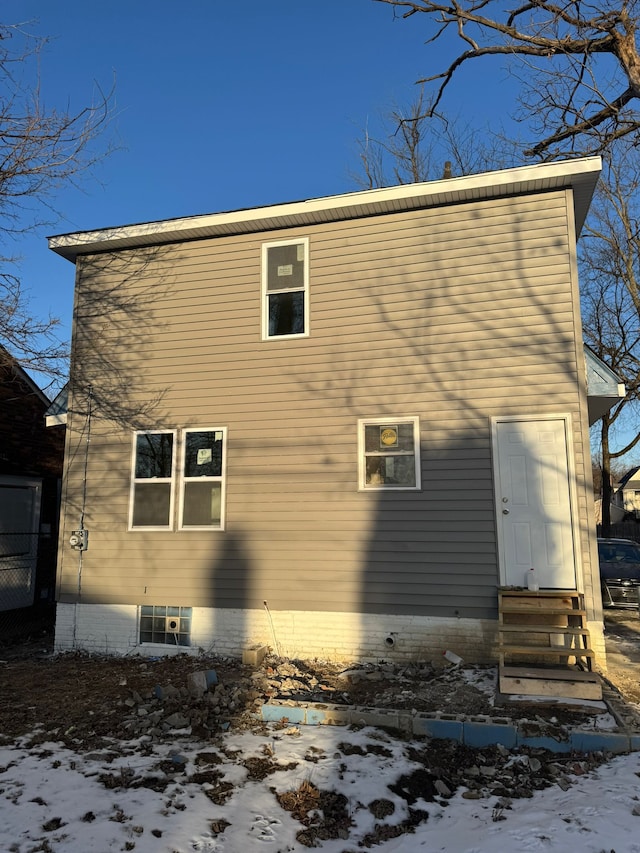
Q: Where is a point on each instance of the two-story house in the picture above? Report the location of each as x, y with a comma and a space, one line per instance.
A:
334, 426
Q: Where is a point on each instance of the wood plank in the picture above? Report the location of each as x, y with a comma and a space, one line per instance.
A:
564, 611
562, 674
542, 629
546, 687
562, 651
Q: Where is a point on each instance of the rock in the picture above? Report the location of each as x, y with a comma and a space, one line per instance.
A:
177, 721
442, 789
197, 683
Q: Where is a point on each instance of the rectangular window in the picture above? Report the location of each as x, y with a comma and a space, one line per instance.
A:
167, 625
389, 453
152, 481
285, 289
198, 482
202, 478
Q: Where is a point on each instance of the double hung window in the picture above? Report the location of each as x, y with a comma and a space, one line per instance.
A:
196, 480
389, 453
201, 488
153, 476
285, 289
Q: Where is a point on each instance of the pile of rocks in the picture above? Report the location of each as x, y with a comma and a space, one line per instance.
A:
203, 705
493, 771
206, 703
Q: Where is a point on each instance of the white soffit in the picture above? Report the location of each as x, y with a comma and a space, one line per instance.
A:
581, 175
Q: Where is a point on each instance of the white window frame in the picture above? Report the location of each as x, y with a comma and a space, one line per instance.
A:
222, 479
170, 480
362, 454
295, 241
177, 480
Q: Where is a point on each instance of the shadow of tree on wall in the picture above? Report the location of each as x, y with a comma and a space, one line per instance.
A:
471, 345
446, 341
115, 324
111, 393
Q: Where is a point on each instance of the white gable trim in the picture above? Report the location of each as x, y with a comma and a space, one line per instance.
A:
581, 175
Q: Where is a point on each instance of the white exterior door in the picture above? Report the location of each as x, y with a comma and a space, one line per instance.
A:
19, 522
533, 497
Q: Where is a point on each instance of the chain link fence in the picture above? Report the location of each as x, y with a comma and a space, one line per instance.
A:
27, 584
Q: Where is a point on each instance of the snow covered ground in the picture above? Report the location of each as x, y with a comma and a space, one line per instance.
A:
185, 796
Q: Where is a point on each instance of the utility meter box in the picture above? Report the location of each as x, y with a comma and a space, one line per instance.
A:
79, 540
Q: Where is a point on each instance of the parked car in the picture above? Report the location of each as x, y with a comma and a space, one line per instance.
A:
619, 572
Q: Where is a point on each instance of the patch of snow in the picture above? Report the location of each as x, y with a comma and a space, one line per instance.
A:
72, 802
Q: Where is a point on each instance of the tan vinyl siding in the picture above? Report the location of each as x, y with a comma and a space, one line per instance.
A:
453, 315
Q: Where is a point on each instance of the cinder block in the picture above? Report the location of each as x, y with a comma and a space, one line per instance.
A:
432, 725
535, 737
273, 712
385, 718
478, 734
254, 655
600, 741
328, 715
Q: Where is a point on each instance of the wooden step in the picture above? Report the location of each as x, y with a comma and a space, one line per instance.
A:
555, 674
542, 629
536, 611
559, 683
546, 650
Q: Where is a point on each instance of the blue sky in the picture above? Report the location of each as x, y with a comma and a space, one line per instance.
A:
221, 105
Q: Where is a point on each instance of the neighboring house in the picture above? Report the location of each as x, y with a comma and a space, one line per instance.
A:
627, 493
333, 426
30, 475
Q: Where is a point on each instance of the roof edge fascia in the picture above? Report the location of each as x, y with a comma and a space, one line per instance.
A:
521, 180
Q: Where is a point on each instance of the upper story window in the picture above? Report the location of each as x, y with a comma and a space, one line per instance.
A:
285, 288
389, 453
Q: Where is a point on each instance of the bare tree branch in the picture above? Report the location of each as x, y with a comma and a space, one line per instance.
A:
41, 150
570, 51
413, 144
610, 272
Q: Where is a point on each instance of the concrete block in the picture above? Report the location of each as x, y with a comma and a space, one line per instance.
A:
535, 736
480, 733
405, 722
327, 715
600, 741
273, 712
438, 726
254, 655
382, 717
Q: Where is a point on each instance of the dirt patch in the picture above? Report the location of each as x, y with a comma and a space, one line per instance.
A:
324, 814
87, 700
622, 637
